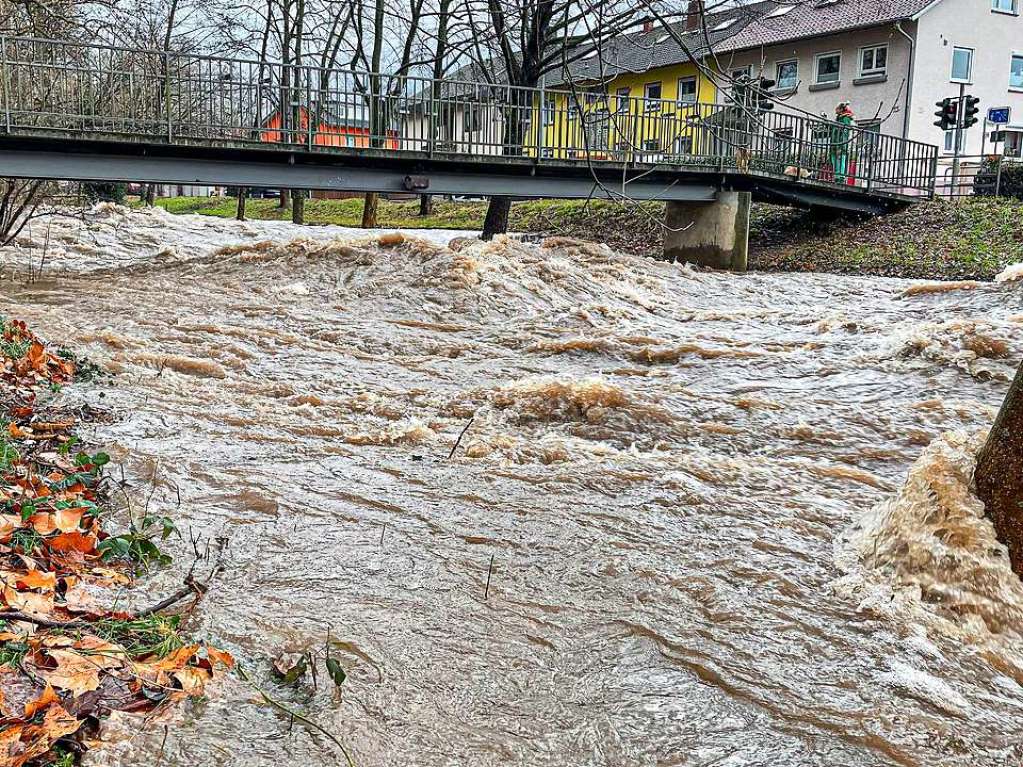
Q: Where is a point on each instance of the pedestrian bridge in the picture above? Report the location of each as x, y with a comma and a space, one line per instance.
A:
93, 112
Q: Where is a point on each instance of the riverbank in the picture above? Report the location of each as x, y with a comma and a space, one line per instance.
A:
71, 650
971, 239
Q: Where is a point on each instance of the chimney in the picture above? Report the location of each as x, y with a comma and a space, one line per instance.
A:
694, 15
648, 26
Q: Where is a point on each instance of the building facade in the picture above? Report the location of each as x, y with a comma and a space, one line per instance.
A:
890, 59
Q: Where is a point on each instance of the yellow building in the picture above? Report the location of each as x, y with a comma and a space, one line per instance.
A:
641, 114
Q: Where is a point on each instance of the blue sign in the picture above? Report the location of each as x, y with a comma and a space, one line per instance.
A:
998, 115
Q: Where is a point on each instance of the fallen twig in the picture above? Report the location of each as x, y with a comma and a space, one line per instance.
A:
192, 587
460, 435
293, 713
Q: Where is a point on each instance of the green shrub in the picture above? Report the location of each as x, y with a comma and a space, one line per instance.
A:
987, 181
103, 191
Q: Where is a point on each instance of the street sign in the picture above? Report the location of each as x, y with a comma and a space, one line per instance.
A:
998, 115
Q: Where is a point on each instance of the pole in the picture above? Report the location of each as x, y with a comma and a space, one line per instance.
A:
310, 129
167, 95
4, 82
957, 140
541, 127
983, 139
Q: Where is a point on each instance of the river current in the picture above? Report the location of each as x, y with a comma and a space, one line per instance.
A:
693, 519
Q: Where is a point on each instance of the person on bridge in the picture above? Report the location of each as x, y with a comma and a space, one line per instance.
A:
841, 136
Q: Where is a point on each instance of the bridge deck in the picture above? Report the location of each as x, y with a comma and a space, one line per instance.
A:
155, 116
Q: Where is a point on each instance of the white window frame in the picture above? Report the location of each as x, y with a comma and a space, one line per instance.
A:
777, 74
624, 96
1012, 58
948, 147
652, 104
696, 90
1012, 10
817, 67
548, 109
952, 65
876, 71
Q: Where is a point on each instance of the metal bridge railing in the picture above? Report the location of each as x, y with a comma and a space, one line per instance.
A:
97, 91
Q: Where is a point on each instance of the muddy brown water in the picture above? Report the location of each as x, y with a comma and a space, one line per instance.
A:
693, 488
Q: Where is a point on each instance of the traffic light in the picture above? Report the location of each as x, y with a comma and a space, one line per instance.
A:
947, 113
970, 112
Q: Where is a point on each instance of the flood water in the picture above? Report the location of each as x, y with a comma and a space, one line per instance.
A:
692, 486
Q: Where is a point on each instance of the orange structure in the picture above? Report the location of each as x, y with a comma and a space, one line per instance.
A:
347, 133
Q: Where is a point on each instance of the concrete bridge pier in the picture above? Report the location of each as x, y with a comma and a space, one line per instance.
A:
709, 234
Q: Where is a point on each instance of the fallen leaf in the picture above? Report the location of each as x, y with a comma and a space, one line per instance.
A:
220, 656
28, 601
74, 672
36, 579
75, 541
47, 697
192, 679
42, 523
8, 524
67, 520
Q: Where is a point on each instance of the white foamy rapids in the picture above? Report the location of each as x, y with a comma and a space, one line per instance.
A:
929, 555
1011, 273
982, 348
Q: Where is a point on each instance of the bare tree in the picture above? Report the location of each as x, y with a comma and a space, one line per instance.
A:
382, 32
522, 41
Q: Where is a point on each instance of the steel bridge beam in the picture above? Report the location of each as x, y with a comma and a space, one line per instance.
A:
249, 172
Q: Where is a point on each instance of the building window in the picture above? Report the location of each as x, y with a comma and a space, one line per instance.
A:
573, 107
472, 118
874, 61
1004, 6
548, 110
547, 152
652, 94
651, 145
742, 74
623, 99
962, 65
786, 75
684, 145
829, 67
687, 90
1016, 71
950, 139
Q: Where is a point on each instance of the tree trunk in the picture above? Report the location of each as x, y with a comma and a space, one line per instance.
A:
425, 204
496, 221
298, 207
369, 210
243, 193
150, 195
999, 473
285, 202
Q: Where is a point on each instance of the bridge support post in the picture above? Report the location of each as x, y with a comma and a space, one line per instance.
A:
714, 234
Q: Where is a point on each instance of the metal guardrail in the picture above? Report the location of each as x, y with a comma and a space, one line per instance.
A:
58, 87
987, 175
